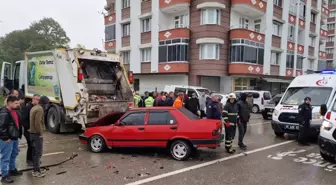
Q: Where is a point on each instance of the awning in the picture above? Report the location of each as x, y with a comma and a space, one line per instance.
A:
276, 80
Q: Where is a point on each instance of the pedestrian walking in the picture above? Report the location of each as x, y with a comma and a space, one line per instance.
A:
149, 102
37, 127
193, 105
213, 109
178, 103
230, 116
171, 99
163, 102
244, 118
202, 102
305, 115
10, 132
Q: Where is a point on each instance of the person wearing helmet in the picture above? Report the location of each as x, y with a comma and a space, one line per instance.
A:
230, 117
305, 115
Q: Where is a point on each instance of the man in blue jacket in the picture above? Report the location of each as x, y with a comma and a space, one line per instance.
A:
212, 110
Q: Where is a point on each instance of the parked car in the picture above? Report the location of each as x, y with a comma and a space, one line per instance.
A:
259, 98
165, 127
327, 137
189, 90
269, 106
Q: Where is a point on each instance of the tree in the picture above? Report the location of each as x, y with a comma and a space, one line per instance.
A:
80, 46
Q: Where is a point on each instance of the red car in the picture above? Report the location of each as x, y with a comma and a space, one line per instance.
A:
176, 129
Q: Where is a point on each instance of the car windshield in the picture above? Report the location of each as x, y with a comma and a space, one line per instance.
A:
188, 114
207, 92
296, 95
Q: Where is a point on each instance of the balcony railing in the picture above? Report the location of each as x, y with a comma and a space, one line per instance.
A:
255, 8
170, 6
174, 33
247, 34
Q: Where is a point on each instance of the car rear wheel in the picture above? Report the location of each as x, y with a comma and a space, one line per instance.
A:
97, 144
327, 157
279, 134
180, 150
255, 109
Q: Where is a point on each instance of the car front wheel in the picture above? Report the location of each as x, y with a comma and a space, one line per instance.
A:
255, 109
97, 144
180, 150
327, 157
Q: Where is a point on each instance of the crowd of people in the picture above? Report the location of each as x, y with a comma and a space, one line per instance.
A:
235, 113
16, 119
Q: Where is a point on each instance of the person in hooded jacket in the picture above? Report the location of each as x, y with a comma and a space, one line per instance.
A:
212, 111
244, 118
193, 105
230, 116
170, 99
305, 116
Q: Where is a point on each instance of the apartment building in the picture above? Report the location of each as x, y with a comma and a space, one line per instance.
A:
224, 45
330, 44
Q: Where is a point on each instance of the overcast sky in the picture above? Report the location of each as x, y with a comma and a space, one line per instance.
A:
79, 18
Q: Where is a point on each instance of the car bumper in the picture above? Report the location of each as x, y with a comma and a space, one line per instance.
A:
327, 146
83, 139
314, 130
198, 143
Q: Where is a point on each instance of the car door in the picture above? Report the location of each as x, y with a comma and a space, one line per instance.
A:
161, 126
130, 131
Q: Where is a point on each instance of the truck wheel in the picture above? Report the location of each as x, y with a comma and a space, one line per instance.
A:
180, 150
279, 134
53, 121
327, 157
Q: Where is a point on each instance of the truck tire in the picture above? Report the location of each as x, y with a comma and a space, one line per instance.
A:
53, 120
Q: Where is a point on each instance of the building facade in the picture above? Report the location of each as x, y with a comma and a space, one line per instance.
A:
331, 44
223, 45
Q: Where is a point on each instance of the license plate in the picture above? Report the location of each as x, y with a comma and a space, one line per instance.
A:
270, 113
291, 127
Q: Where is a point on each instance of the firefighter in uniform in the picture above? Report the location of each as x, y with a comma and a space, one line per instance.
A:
305, 115
230, 117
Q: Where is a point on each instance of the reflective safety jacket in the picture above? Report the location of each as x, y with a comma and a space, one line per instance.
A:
137, 99
230, 112
149, 101
178, 103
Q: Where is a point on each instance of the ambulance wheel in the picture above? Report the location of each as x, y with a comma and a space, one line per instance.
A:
53, 121
327, 157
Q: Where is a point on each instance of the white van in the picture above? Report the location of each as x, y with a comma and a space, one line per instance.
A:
259, 98
189, 90
320, 87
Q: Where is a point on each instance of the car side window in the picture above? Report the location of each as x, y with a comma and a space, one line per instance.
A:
190, 92
134, 119
178, 89
161, 118
255, 95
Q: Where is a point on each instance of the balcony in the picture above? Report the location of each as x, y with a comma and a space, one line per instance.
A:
325, 12
331, 32
246, 68
275, 69
289, 72
322, 55
276, 41
312, 27
330, 56
311, 51
249, 8
290, 46
292, 19
174, 33
182, 67
323, 34
300, 49
110, 19
299, 72
110, 45
277, 12
329, 44
302, 24
172, 6
241, 33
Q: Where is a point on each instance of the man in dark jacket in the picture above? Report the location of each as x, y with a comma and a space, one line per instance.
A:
305, 115
162, 102
212, 110
10, 132
244, 118
230, 116
171, 99
193, 105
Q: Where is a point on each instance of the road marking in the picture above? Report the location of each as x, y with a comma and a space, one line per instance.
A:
55, 153
252, 124
154, 178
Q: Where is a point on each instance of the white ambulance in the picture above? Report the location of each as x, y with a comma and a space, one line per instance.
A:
320, 87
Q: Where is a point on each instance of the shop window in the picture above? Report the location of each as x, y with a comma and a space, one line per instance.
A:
241, 84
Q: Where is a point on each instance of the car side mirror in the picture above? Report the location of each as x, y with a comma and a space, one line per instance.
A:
323, 109
120, 123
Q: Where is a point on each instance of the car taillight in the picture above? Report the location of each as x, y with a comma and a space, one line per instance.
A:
217, 132
328, 115
80, 76
130, 77
130, 104
262, 101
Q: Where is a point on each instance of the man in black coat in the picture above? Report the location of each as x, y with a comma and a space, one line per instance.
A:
244, 118
193, 105
171, 99
162, 102
305, 115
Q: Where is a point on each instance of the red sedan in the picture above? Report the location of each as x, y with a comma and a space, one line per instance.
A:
175, 129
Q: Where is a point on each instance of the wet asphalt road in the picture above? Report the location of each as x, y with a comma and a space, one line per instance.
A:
269, 160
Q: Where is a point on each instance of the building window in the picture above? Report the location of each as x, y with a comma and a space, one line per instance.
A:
290, 59
331, 26
291, 33
146, 25
257, 25
110, 32
292, 7
243, 23
312, 41
209, 51
173, 50
277, 28
126, 29
246, 51
146, 55
299, 62
330, 50
331, 38
275, 58
241, 84
277, 3
302, 11
332, 14
125, 3
311, 64
210, 16
126, 56
313, 17
181, 21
